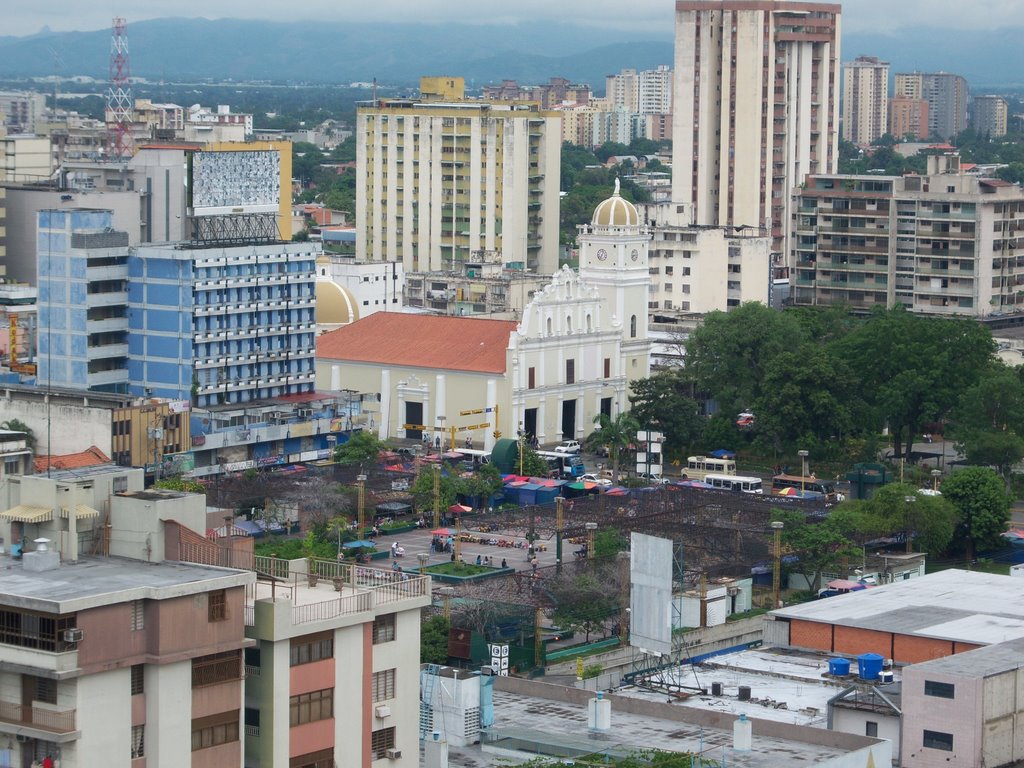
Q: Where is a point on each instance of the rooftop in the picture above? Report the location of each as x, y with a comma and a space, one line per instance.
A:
962, 606
90, 457
981, 662
95, 581
421, 341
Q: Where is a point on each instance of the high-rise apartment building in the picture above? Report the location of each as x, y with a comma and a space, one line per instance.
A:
989, 115
946, 95
756, 107
440, 180
646, 92
944, 243
908, 117
865, 99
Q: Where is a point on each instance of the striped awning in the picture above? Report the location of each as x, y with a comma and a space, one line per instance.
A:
27, 513
81, 511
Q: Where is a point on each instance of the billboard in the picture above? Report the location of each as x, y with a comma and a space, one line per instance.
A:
234, 182
650, 594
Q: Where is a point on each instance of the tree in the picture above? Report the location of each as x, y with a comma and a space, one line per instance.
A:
361, 448
988, 422
983, 506
17, 425
927, 522
585, 602
664, 401
481, 484
532, 465
434, 640
615, 433
819, 546
423, 488
180, 484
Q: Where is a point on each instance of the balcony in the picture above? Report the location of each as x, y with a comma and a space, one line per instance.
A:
48, 720
107, 299
107, 350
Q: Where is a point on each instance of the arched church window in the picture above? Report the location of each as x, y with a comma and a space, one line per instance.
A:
632, 327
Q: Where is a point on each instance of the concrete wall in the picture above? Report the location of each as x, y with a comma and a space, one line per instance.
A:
138, 522
855, 721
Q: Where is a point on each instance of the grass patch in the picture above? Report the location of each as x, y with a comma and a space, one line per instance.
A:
458, 569
747, 614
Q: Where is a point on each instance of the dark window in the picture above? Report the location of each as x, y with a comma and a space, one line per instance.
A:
384, 628
942, 690
870, 728
532, 378
46, 690
138, 679
310, 707
384, 685
607, 367
216, 668
312, 648
381, 741
322, 759
138, 741
570, 371
632, 327
938, 740
34, 630
218, 605
138, 608
214, 730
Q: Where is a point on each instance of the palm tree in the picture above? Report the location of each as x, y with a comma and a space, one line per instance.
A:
17, 425
615, 433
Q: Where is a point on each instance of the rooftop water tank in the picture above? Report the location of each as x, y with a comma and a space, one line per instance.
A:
869, 665
839, 667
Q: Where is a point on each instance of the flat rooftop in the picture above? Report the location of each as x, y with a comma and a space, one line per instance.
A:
956, 605
95, 581
524, 718
981, 662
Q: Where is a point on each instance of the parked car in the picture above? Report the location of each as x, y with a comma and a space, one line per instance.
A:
569, 446
592, 478
745, 419
653, 479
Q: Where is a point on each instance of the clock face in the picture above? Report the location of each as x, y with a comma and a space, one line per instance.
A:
635, 254
602, 254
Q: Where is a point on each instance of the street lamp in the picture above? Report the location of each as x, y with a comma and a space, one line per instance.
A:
591, 528
446, 595
437, 494
803, 469
332, 441
423, 557
521, 435
936, 474
777, 526
361, 507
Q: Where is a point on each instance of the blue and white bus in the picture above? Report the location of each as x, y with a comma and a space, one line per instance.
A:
735, 483
568, 466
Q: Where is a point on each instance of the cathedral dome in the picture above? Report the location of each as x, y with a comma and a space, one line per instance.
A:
335, 304
616, 211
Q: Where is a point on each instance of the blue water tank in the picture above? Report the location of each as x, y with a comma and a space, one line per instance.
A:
869, 666
839, 666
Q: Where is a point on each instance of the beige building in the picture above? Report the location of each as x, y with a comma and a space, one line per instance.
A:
572, 355
946, 95
26, 158
908, 117
438, 180
990, 116
756, 107
865, 99
695, 270
645, 92
944, 244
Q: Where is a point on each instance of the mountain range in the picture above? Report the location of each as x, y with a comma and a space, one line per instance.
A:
193, 49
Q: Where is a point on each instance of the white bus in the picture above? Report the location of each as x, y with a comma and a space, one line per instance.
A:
698, 467
735, 483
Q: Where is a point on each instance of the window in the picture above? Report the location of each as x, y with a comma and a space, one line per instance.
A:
218, 605
632, 327
322, 759
214, 730
938, 740
310, 707
531, 377
138, 741
942, 690
607, 367
384, 685
312, 648
138, 679
870, 728
570, 371
33, 630
46, 690
138, 615
216, 668
381, 741
384, 628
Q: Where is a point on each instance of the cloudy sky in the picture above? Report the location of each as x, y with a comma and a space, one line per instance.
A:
25, 18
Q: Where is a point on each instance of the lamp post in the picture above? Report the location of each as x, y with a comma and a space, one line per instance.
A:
423, 557
361, 504
437, 495
591, 528
446, 596
935, 479
777, 526
332, 441
521, 434
803, 469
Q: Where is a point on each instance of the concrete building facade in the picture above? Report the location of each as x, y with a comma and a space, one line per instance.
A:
946, 95
865, 99
945, 243
908, 117
756, 107
438, 180
989, 115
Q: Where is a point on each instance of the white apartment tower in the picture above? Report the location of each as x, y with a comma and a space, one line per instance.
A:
647, 93
989, 116
865, 99
439, 180
757, 107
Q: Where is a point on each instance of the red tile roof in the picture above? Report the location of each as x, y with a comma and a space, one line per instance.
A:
90, 457
421, 341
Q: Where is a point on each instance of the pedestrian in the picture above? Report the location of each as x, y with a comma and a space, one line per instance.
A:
394, 549
437, 442
478, 560
534, 563
504, 563
48, 762
453, 557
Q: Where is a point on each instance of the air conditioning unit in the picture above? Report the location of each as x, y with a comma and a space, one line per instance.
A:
74, 635
382, 711
393, 754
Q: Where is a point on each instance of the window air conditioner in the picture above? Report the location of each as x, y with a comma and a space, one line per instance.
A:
393, 754
74, 635
383, 711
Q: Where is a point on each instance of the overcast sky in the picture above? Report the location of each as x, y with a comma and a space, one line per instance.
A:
30, 16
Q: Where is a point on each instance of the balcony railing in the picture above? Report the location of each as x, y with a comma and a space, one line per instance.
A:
56, 721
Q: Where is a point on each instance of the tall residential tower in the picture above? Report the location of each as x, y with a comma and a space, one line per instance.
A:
757, 107
865, 99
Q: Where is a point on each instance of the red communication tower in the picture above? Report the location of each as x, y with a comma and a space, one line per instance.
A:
119, 96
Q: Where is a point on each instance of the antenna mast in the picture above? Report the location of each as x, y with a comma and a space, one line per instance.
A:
119, 96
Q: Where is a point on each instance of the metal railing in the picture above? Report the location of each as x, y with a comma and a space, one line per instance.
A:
62, 721
252, 730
